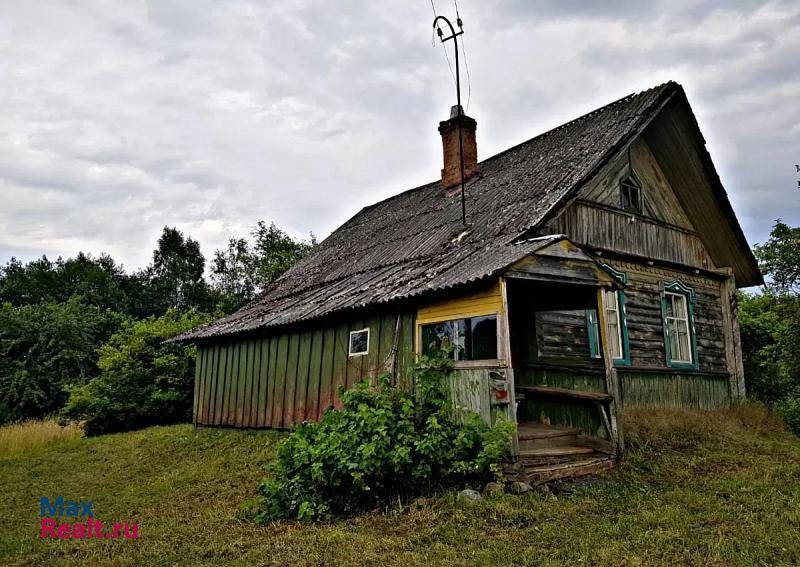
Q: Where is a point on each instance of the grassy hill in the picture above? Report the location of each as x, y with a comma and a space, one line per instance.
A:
713, 488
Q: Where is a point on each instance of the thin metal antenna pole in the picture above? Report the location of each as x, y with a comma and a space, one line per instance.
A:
454, 36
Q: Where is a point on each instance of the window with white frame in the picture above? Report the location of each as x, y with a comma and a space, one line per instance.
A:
678, 328
359, 343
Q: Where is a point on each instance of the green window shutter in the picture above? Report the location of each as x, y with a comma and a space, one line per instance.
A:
594, 333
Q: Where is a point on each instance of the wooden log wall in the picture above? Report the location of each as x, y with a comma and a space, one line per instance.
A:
278, 380
647, 381
563, 333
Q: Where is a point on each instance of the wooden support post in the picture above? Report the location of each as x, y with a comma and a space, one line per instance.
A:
612, 378
504, 352
733, 341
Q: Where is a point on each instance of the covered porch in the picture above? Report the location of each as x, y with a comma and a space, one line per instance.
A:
562, 392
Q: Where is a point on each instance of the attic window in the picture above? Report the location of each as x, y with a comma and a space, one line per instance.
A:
631, 193
359, 343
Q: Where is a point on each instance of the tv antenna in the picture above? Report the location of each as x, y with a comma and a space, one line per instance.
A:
454, 36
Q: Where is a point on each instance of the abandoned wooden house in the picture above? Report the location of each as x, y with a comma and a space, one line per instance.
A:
597, 271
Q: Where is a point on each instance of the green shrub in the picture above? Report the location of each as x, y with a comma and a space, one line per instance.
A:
386, 442
788, 410
143, 380
43, 347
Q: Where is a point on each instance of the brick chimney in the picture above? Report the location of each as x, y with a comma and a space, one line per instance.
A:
451, 172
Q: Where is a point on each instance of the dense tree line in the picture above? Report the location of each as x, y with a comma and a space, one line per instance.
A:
83, 333
770, 326
82, 337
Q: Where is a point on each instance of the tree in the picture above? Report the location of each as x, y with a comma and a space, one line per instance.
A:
233, 275
45, 347
243, 269
770, 325
144, 380
97, 281
779, 258
176, 274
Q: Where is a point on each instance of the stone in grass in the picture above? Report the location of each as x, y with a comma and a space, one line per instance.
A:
470, 495
518, 487
494, 488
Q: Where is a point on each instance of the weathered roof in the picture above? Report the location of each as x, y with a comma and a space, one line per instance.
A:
409, 244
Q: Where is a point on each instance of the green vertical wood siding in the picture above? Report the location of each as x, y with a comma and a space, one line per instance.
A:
675, 390
276, 381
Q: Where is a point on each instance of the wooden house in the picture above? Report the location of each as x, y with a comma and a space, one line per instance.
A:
597, 271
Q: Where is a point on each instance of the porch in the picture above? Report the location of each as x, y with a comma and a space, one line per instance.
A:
565, 406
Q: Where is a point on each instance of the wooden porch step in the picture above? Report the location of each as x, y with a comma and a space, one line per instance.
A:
547, 473
536, 436
555, 455
539, 431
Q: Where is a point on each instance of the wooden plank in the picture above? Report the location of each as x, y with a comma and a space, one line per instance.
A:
612, 379
386, 358
247, 388
252, 417
326, 379
241, 382
372, 362
733, 347
271, 382
314, 375
199, 362
214, 385
340, 362
263, 383
223, 386
215, 376
408, 354
280, 382
208, 375
202, 402
291, 380
232, 384
303, 366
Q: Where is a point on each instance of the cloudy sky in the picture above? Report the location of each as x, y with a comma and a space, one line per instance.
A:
117, 118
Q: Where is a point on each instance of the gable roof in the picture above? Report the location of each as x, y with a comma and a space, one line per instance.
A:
414, 242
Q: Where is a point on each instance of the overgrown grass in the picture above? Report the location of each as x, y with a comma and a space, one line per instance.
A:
696, 488
35, 433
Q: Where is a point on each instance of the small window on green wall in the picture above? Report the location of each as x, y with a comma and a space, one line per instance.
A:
677, 309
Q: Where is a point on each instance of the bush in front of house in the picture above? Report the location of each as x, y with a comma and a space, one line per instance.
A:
143, 381
386, 442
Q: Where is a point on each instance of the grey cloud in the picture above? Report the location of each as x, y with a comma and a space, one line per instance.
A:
116, 119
